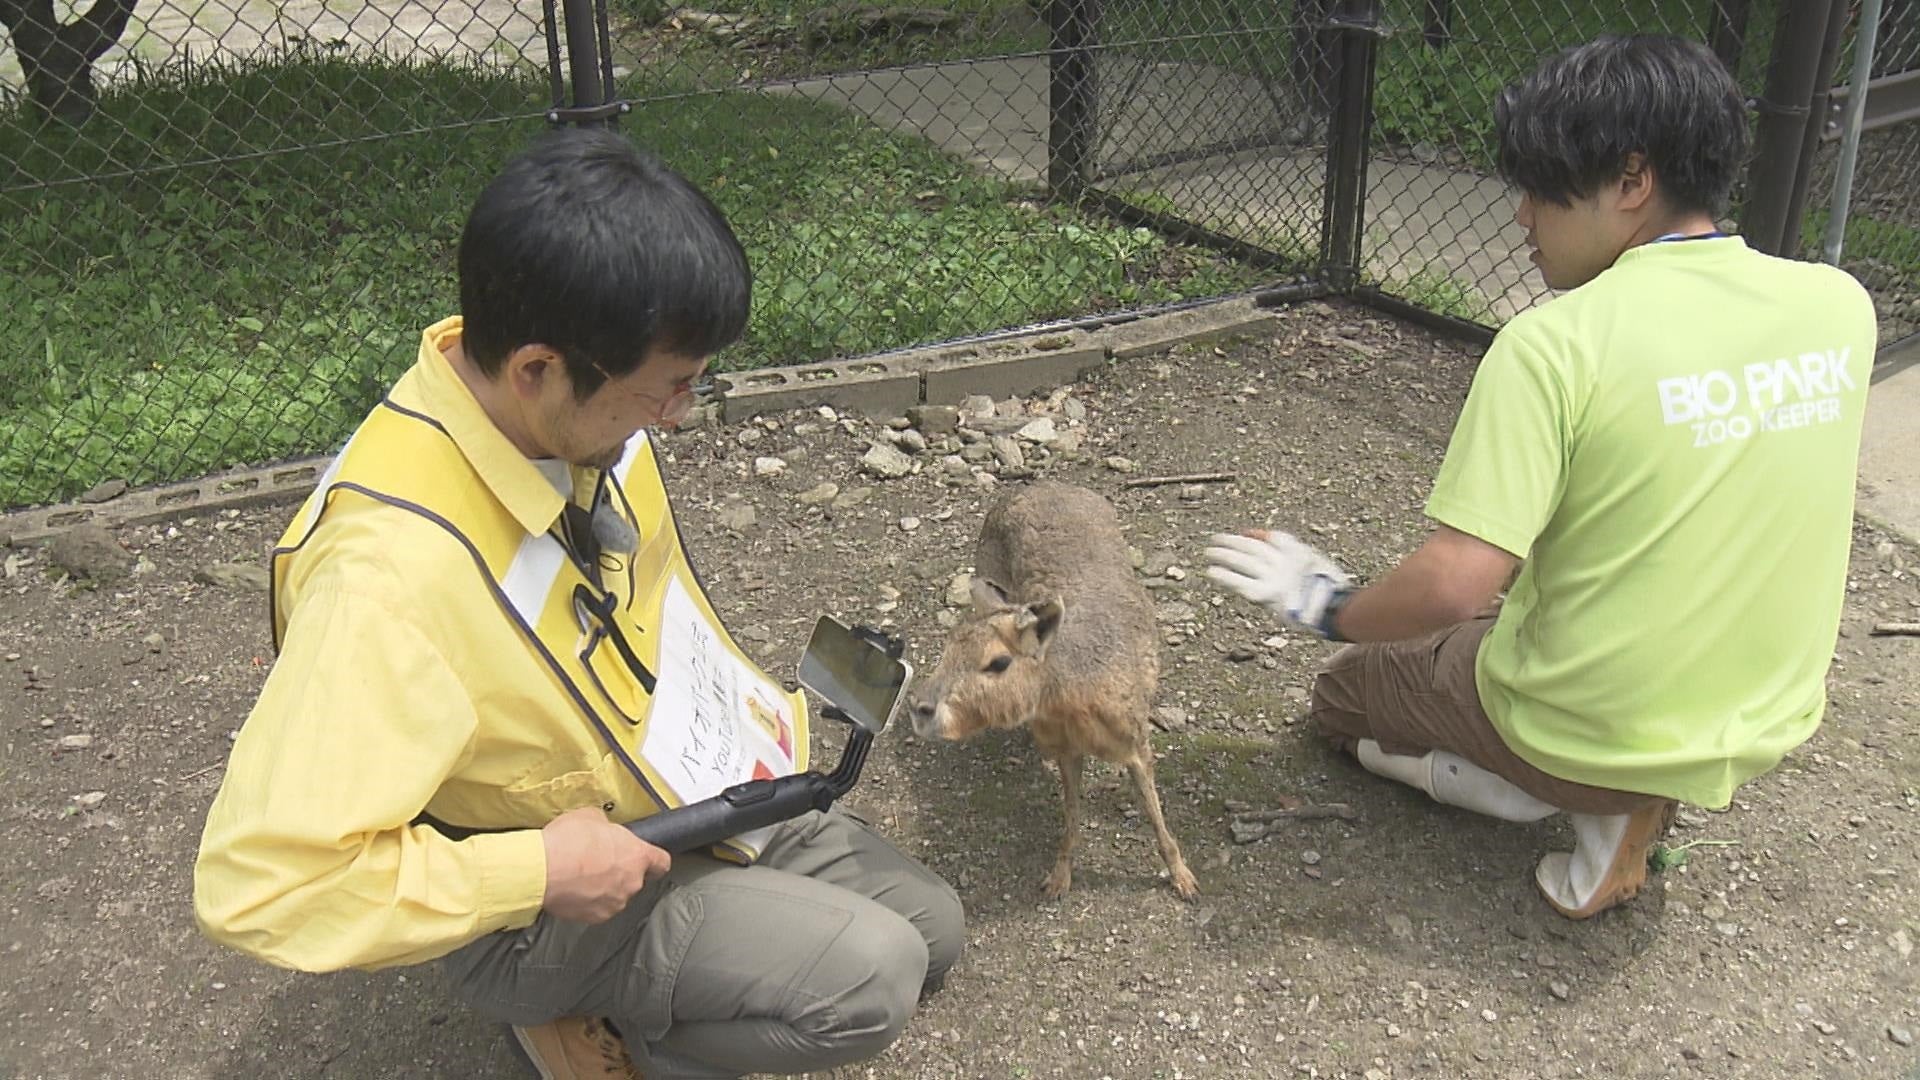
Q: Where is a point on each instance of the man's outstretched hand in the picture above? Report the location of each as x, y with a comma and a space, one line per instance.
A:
1279, 572
595, 866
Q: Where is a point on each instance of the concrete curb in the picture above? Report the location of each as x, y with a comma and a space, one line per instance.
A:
882, 386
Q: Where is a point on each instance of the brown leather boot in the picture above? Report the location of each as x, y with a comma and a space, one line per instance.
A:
576, 1048
1609, 861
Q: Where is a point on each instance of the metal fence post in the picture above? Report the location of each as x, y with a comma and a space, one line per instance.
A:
1863, 47
1819, 108
1785, 108
1073, 103
1357, 26
589, 65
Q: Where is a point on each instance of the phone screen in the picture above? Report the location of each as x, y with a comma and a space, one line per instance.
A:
853, 673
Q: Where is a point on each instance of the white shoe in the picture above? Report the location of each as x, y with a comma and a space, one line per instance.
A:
1449, 778
1609, 861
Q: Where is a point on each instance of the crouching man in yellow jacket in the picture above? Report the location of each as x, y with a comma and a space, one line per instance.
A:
493, 650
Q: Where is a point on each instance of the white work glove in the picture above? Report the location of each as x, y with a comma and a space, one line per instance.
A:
1278, 572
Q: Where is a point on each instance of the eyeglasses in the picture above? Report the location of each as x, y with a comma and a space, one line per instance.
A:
678, 406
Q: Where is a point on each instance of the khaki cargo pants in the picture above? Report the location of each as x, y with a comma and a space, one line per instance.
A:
1418, 695
815, 956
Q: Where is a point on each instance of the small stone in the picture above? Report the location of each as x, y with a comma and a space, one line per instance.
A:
1240, 654
886, 461
909, 523
737, 515
1727, 929
1170, 718
1175, 573
825, 412
750, 436
1559, 989
1193, 492
960, 591
823, 492
1901, 1036
12, 656
1714, 911
1400, 926
852, 497
1311, 858
913, 442
1900, 942
975, 453
1120, 464
90, 800
1039, 431
934, 419
768, 466
1008, 453
1824, 1028
104, 491
234, 576
89, 551
956, 467
75, 742
1173, 612
1489, 1015
1075, 409
977, 406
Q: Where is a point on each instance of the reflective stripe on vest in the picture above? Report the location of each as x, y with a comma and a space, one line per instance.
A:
636, 637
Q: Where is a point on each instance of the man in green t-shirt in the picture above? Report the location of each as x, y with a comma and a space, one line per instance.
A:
1666, 453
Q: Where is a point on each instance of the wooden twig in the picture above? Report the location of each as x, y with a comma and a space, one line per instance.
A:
198, 773
1189, 478
1303, 812
1904, 629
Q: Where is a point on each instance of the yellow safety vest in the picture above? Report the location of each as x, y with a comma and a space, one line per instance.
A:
632, 640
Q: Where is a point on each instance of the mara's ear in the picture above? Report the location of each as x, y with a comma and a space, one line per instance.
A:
987, 597
1037, 623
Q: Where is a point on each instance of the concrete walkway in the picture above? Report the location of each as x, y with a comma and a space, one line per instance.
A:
1889, 493
1425, 223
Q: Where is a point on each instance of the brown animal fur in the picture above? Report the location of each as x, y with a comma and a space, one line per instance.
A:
1060, 639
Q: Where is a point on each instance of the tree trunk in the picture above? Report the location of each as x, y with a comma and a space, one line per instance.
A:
57, 58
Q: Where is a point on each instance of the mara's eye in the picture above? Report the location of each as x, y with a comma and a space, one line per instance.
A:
999, 664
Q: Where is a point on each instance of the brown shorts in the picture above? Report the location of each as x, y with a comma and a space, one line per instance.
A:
1418, 695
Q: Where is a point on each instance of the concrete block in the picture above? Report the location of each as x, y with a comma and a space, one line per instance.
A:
287, 481
1210, 324
876, 387
1005, 370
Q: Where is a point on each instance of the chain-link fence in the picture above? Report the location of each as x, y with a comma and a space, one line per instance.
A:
1879, 234
228, 221
223, 244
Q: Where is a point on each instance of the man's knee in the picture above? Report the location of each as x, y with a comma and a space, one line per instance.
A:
945, 932
866, 987
1336, 705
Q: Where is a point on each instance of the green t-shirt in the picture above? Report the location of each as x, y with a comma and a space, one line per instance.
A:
1672, 449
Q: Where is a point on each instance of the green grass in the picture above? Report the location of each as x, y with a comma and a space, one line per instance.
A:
181, 316
1895, 245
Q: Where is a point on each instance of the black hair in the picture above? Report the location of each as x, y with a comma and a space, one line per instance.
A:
1566, 129
589, 245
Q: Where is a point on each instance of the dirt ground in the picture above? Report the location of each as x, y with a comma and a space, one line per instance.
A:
1406, 943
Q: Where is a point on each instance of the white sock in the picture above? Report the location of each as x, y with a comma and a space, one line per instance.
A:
1452, 779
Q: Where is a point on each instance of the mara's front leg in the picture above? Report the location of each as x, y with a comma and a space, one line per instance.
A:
1141, 766
1062, 876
